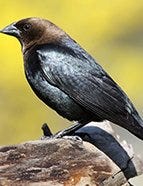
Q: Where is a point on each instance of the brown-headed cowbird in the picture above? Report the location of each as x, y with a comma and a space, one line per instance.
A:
66, 78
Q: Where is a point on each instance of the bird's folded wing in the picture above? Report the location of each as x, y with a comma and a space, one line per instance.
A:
89, 85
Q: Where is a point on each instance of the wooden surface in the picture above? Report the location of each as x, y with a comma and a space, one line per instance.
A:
104, 161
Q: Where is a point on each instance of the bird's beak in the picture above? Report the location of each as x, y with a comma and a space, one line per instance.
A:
11, 30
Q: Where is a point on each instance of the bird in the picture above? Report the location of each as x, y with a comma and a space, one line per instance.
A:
69, 80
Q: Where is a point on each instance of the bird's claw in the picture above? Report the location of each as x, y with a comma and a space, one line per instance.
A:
47, 134
74, 138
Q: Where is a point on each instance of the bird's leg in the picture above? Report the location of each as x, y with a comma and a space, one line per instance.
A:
68, 131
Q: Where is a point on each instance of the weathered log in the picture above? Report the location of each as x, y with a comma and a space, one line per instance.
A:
98, 160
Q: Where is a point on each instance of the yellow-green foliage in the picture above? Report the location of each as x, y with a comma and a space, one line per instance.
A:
111, 30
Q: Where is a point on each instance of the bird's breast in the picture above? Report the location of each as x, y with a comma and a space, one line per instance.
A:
51, 95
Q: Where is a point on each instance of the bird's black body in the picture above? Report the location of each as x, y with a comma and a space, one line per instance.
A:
69, 80
52, 95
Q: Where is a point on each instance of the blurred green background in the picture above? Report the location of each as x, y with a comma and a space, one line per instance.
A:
112, 31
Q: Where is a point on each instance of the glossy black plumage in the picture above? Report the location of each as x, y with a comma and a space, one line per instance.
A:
69, 80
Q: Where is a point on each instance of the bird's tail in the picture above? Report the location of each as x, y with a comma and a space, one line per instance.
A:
134, 124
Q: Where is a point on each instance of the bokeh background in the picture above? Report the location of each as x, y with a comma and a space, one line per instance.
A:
112, 31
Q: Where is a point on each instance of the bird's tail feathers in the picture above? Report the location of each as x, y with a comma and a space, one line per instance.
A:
136, 126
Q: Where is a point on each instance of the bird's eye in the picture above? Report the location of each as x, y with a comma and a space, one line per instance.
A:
26, 27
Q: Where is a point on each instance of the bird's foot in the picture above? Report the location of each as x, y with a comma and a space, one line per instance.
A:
84, 136
64, 135
73, 138
68, 133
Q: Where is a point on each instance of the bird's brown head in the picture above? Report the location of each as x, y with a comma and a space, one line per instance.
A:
31, 31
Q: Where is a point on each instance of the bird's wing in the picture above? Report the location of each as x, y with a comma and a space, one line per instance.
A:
85, 82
